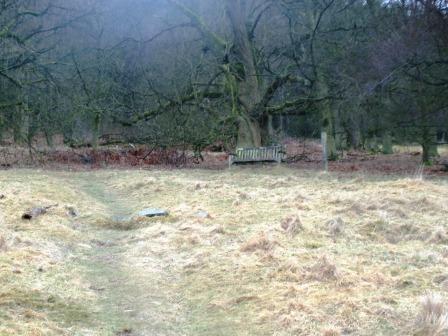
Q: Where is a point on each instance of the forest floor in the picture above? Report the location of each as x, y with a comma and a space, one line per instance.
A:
301, 154
247, 251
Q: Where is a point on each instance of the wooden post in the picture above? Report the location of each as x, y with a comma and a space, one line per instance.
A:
324, 150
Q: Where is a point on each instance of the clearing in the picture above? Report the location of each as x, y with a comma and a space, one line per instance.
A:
247, 251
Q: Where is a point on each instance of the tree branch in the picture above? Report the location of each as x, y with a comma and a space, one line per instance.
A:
146, 116
215, 41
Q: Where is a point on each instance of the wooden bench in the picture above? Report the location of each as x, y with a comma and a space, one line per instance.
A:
260, 154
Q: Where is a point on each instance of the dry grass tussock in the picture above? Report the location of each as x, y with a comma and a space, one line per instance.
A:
292, 225
336, 226
285, 252
259, 242
433, 317
324, 270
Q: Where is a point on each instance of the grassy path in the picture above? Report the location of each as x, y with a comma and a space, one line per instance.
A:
135, 294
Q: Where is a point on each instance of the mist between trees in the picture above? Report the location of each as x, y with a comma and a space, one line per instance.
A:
190, 73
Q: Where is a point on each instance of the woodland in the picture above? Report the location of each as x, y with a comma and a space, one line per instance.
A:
246, 73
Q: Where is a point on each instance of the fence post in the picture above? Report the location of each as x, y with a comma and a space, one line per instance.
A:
324, 150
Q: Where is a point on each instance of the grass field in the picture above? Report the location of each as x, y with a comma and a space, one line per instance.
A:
281, 252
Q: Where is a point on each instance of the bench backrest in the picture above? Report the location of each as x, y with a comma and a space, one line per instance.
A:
274, 153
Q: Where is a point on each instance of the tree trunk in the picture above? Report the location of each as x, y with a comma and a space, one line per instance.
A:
323, 139
327, 120
428, 134
283, 125
270, 128
244, 70
429, 146
267, 130
427, 131
353, 130
18, 125
249, 133
32, 126
49, 138
331, 143
387, 144
243, 83
96, 129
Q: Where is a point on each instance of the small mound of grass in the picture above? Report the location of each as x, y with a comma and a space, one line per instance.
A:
259, 242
